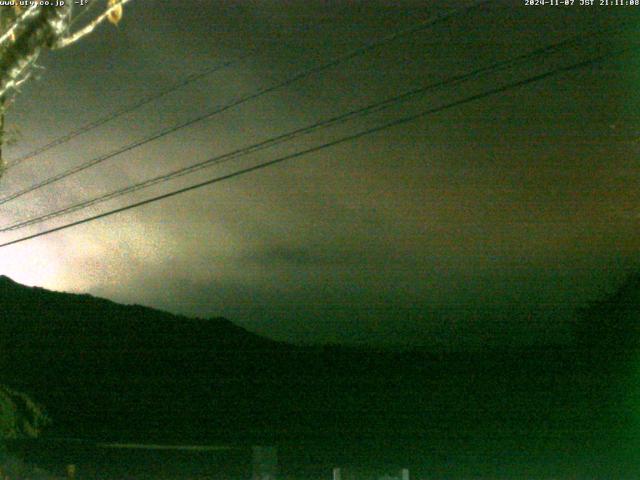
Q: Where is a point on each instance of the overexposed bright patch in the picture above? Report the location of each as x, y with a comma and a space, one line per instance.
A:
34, 264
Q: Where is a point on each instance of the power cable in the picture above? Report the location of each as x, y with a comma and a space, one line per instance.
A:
123, 111
369, 131
371, 108
260, 92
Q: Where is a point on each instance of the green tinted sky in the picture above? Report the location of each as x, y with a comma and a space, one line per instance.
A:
484, 223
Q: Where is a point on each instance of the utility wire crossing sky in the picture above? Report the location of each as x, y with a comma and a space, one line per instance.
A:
301, 131
511, 208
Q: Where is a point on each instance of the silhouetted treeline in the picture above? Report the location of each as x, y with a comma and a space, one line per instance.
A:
608, 329
109, 371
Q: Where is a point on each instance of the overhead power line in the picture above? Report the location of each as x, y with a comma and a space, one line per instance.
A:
369, 109
123, 111
348, 138
260, 92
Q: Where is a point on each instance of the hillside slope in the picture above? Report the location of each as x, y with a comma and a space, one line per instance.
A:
109, 371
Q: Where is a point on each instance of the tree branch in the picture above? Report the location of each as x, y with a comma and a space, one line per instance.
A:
66, 41
37, 27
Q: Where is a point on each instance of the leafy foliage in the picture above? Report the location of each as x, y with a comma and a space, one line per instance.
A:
26, 30
20, 416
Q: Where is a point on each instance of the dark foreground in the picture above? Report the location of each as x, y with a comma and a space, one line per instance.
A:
113, 373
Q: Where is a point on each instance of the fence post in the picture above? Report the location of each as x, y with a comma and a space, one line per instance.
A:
71, 471
265, 463
336, 474
405, 474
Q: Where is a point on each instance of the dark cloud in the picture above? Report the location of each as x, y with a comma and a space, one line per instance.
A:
303, 257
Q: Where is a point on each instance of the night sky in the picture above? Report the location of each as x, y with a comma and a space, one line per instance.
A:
484, 224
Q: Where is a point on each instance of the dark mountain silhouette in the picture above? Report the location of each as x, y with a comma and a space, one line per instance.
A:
115, 372
93, 361
610, 327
